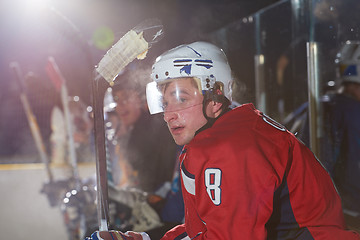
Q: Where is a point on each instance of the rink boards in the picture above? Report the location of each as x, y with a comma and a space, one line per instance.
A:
25, 213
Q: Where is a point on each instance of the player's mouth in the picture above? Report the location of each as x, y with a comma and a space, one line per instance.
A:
176, 130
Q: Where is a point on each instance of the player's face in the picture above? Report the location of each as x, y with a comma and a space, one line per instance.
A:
182, 102
128, 106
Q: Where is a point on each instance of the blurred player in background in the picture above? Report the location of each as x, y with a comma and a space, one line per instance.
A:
343, 128
142, 153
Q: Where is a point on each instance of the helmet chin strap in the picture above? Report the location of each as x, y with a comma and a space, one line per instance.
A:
216, 97
210, 120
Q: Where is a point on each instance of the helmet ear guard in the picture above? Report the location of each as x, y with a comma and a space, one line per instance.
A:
216, 94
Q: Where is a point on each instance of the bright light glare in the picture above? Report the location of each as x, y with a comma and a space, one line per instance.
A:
331, 83
112, 105
35, 4
32, 7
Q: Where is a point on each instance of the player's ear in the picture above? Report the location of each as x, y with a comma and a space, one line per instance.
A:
213, 109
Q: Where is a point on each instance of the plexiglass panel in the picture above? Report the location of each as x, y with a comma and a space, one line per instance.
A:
270, 53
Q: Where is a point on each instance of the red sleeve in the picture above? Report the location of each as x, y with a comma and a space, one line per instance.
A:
177, 232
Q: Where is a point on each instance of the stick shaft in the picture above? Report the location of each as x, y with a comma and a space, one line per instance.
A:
34, 127
35, 131
59, 82
99, 87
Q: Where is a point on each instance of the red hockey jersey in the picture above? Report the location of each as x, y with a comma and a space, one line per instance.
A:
247, 177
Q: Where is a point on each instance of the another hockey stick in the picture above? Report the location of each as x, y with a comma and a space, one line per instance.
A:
34, 127
132, 45
54, 73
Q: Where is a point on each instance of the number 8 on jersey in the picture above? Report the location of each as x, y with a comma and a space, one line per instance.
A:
213, 183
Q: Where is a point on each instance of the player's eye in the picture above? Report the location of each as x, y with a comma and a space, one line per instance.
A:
182, 100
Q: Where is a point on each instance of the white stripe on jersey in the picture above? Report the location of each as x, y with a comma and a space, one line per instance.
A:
189, 183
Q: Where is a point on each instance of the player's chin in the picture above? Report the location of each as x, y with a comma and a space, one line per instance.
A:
182, 139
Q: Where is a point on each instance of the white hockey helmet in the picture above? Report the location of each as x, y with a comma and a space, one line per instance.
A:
349, 62
201, 60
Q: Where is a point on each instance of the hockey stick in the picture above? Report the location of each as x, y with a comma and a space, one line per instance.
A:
34, 127
132, 45
54, 73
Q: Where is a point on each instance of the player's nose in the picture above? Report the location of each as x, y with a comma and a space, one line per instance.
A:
170, 116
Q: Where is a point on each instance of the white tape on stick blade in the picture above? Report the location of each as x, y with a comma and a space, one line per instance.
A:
130, 46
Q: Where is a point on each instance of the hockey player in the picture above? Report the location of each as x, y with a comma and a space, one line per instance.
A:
244, 176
